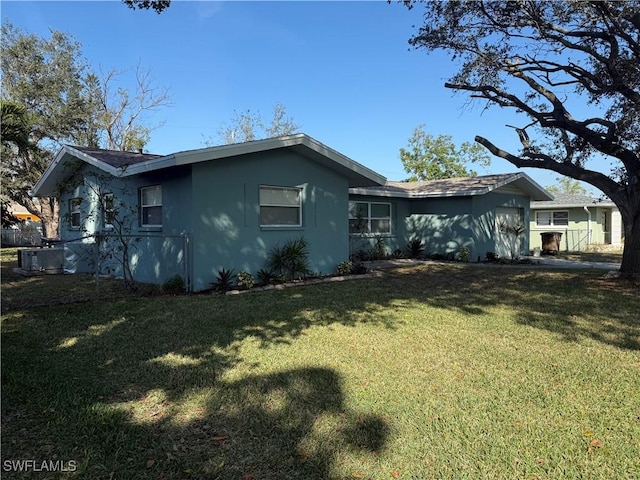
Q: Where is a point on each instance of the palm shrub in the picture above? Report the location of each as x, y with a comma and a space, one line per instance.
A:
290, 260
224, 280
415, 248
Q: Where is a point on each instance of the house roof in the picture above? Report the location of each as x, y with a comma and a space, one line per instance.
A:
124, 164
457, 187
116, 158
565, 200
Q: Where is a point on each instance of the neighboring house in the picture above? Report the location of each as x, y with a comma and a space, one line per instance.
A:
27, 232
193, 213
447, 214
582, 220
21, 212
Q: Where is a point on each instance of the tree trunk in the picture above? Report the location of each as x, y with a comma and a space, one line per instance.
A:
631, 253
48, 210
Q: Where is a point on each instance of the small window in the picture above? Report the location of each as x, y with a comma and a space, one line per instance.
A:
74, 212
151, 206
280, 206
109, 210
369, 218
552, 219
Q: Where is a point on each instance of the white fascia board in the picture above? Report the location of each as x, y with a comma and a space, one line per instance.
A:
405, 194
374, 192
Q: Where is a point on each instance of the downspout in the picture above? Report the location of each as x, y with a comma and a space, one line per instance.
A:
186, 246
588, 225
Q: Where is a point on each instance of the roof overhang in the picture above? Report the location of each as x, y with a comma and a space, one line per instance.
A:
65, 161
520, 180
356, 173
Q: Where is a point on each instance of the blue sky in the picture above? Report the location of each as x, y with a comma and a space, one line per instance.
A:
343, 70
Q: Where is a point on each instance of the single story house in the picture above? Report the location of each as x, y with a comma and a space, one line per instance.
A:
193, 213
581, 219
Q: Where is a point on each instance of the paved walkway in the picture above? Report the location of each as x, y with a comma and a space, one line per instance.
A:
562, 263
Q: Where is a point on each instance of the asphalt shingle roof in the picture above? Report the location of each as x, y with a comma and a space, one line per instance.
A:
117, 158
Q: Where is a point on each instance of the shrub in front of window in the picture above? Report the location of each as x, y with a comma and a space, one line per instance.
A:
290, 260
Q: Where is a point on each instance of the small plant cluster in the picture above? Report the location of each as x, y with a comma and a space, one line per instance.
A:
289, 261
351, 268
377, 252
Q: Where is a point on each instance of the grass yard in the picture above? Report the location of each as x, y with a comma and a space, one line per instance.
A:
436, 371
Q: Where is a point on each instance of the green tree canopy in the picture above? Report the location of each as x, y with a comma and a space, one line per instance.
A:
428, 157
158, 5
50, 97
571, 69
567, 185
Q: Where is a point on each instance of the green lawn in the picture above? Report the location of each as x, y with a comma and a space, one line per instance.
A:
437, 371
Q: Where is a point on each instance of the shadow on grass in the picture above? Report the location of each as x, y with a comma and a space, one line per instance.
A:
140, 388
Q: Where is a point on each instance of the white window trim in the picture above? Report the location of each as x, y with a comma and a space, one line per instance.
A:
142, 206
75, 209
552, 223
299, 207
369, 218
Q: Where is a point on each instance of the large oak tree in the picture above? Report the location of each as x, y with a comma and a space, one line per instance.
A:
572, 70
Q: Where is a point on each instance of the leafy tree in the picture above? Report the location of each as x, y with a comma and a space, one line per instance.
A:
248, 126
568, 186
45, 79
435, 158
51, 97
158, 5
8, 218
572, 70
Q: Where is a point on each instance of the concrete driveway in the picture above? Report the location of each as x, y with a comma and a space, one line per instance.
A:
562, 263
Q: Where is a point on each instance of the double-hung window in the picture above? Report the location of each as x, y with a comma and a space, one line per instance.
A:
552, 219
151, 206
369, 218
74, 213
280, 206
109, 210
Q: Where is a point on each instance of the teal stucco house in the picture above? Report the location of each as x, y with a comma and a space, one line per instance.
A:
193, 213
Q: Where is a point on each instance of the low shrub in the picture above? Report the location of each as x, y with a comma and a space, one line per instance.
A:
174, 285
344, 268
359, 269
245, 280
